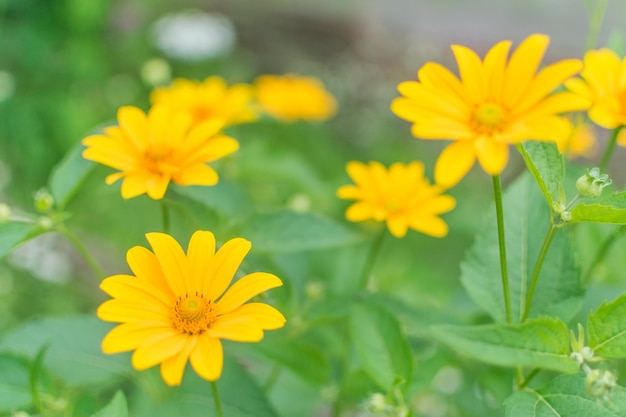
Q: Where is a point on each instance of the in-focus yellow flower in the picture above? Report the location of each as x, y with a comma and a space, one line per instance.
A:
496, 102
603, 83
176, 307
400, 196
207, 100
290, 98
152, 150
581, 141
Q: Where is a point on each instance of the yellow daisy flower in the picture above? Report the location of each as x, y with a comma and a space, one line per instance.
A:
290, 98
400, 196
152, 150
495, 102
209, 99
176, 307
581, 141
603, 83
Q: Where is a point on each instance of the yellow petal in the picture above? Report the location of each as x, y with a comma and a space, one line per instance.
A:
434, 100
349, 192
266, 316
432, 226
358, 172
135, 183
431, 126
156, 186
522, 67
621, 137
224, 265
158, 348
129, 336
236, 328
454, 162
172, 369
110, 179
472, 73
196, 174
439, 204
397, 226
145, 266
607, 113
200, 133
110, 157
359, 211
246, 288
200, 254
122, 311
492, 156
134, 123
601, 71
130, 288
495, 64
436, 77
213, 149
173, 262
207, 358
578, 86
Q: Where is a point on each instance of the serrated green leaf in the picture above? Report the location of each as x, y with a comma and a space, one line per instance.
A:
68, 175
14, 385
565, 396
74, 353
526, 222
611, 209
381, 346
288, 231
539, 343
545, 163
224, 197
606, 329
116, 408
12, 234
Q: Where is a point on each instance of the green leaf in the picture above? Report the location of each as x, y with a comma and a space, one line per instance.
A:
224, 197
611, 209
68, 175
606, 329
74, 353
288, 231
12, 234
537, 343
545, 163
526, 222
380, 343
116, 408
14, 385
565, 396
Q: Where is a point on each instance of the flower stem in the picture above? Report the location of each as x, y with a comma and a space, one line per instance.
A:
377, 243
601, 253
82, 250
166, 217
497, 192
610, 147
596, 11
535, 276
216, 400
528, 378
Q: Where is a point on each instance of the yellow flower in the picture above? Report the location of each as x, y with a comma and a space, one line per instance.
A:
603, 83
400, 196
210, 99
581, 141
176, 306
150, 151
290, 98
496, 102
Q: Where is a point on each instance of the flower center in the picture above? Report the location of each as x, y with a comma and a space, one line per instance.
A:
192, 314
489, 117
156, 159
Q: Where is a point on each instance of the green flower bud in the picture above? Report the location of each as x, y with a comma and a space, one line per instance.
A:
43, 201
592, 183
600, 384
5, 213
377, 403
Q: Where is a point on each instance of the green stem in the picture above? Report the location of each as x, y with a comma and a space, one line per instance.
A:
610, 147
91, 261
528, 378
601, 253
497, 192
596, 16
535, 276
377, 243
216, 400
166, 217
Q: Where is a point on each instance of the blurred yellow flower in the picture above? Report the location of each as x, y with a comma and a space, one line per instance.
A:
152, 150
207, 100
290, 98
603, 83
176, 307
496, 102
581, 142
400, 196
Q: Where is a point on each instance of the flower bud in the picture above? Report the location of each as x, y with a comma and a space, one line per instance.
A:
377, 403
5, 213
592, 183
600, 384
43, 201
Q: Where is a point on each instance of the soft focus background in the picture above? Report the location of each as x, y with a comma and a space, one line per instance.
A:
67, 65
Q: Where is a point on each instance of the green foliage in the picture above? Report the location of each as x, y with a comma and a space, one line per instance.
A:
12, 234
116, 408
565, 396
14, 385
526, 222
380, 344
68, 175
541, 343
606, 329
545, 163
611, 209
226, 198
